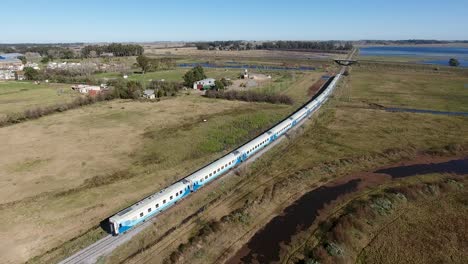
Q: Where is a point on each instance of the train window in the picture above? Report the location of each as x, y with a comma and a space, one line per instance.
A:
164, 201
229, 163
180, 192
201, 180
219, 169
206, 177
149, 210
248, 152
171, 197
157, 205
214, 172
222, 167
211, 174
141, 214
177, 194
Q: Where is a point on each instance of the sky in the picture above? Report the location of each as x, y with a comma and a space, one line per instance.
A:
48, 21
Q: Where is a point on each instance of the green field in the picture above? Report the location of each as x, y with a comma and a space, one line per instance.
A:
16, 97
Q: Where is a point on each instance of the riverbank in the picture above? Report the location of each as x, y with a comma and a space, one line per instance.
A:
268, 245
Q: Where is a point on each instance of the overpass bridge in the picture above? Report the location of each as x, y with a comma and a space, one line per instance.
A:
346, 62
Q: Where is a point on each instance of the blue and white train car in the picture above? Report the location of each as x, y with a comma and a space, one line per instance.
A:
253, 146
148, 207
280, 129
212, 171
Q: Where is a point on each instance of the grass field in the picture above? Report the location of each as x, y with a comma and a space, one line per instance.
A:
348, 136
71, 165
16, 97
422, 90
429, 231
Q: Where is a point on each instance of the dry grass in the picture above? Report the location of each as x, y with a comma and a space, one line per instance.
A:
444, 91
429, 232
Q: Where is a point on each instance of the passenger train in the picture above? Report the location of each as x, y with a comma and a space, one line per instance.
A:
158, 202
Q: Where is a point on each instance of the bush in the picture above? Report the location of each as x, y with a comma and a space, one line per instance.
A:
250, 96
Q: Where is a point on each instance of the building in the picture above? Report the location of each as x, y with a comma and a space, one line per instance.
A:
204, 84
7, 75
148, 94
32, 65
87, 89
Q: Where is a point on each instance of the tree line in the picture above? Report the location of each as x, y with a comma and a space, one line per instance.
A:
282, 45
306, 45
117, 49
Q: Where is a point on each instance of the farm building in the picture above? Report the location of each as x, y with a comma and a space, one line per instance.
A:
148, 94
87, 89
204, 84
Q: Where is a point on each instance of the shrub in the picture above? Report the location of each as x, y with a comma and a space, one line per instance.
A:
250, 96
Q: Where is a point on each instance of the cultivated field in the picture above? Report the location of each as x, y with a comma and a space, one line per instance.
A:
16, 97
349, 135
64, 173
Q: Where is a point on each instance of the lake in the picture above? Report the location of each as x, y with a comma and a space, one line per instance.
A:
428, 55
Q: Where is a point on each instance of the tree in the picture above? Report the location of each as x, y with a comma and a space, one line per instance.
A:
226, 82
143, 62
193, 75
22, 59
45, 59
219, 85
159, 94
454, 62
134, 89
31, 73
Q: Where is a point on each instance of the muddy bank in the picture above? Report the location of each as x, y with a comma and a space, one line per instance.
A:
265, 245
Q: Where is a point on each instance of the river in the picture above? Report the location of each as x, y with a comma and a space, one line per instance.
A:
423, 54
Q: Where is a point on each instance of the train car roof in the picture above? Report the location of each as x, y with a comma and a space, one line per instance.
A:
143, 203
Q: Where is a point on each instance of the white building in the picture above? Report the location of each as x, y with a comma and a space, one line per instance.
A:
149, 94
86, 89
204, 84
32, 65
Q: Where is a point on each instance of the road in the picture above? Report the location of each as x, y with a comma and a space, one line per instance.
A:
106, 245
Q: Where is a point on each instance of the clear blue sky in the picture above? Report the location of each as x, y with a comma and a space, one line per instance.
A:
145, 20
